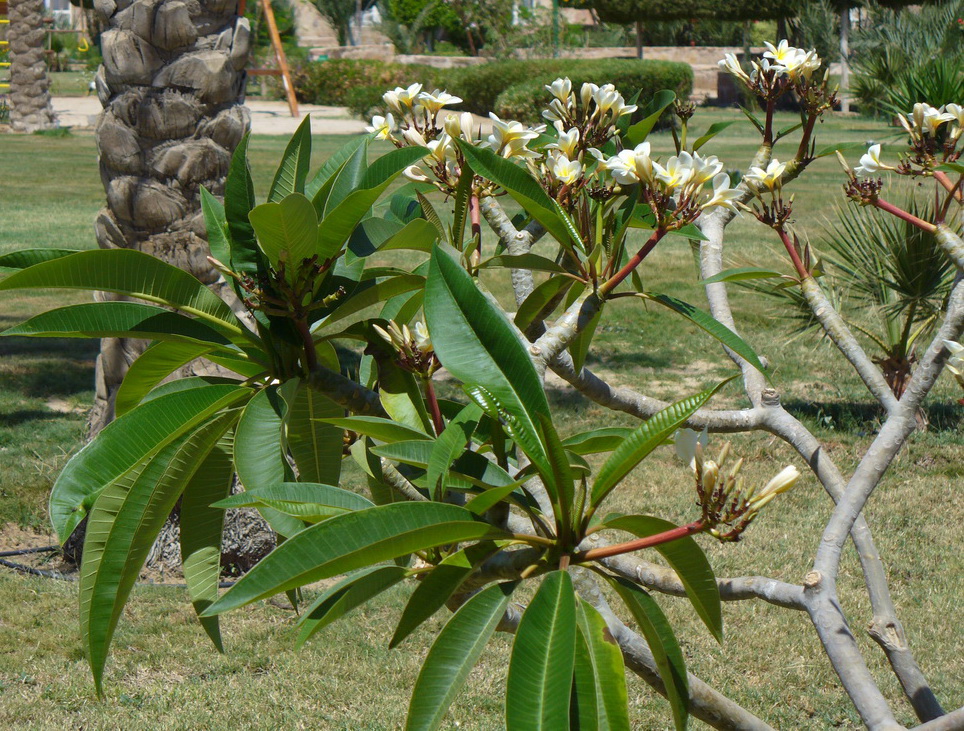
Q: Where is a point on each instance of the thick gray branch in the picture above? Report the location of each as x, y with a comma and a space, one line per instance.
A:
345, 392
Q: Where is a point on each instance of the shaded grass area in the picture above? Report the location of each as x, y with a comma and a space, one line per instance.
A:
770, 661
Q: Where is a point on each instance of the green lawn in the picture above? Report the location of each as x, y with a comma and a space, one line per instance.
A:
163, 673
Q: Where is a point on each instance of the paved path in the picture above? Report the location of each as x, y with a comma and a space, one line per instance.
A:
267, 117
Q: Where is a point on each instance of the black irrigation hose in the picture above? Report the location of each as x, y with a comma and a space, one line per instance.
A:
66, 577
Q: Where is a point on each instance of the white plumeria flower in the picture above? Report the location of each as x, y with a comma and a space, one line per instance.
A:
687, 441
705, 169
413, 137
629, 166
783, 481
677, 172
400, 100
382, 126
416, 174
561, 89
870, 162
459, 126
802, 64
510, 138
956, 362
609, 100
564, 170
422, 339
780, 53
723, 194
928, 119
443, 149
566, 143
957, 111
436, 100
586, 93
556, 111
731, 65
769, 178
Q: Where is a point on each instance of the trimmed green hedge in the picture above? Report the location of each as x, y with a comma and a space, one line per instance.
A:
331, 82
526, 100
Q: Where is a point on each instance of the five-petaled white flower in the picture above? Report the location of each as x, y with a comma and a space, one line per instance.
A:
783, 481
459, 126
382, 126
566, 143
957, 110
705, 168
400, 100
769, 178
436, 100
511, 138
423, 341
677, 172
723, 195
564, 170
928, 120
870, 162
560, 89
731, 65
629, 166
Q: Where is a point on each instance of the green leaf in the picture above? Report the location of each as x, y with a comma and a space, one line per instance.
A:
353, 541
384, 430
123, 524
119, 320
462, 202
472, 466
347, 179
28, 257
689, 562
438, 586
740, 274
638, 132
315, 446
662, 643
259, 453
533, 262
602, 651
519, 184
417, 235
293, 170
127, 442
308, 501
487, 499
151, 367
449, 445
543, 655
453, 655
756, 122
201, 527
130, 272
400, 395
477, 344
644, 439
287, 231
712, 131
348, 594
371, 296
839, 147
947, 167
246, 257
579, 347
542, 301
605, 439
216, 224
708, 324
331, 167
583, 704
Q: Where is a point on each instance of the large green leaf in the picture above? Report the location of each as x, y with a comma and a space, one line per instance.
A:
127, 442
28, 257
453, 655
477, 343
712, 131
384, 430
315, 446
609, 674
519, 184
651, 113
370, 296
417, 235
662, 643
287, 231
542, 301
707, 323
293, 170
201, 527
644, 439
740, 274
474, 467
216, 224
347, 179
129, 272
119, 320
246, 257
605, 439
123, 524
450, 444
332, 165
532, 262
543, 655
438, 586
308, 501
689, 562
346, 595
583, 703
259, 453
400, 395
353, 541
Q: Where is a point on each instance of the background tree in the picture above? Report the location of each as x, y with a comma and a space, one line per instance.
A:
339, 14
30, 107
172, 86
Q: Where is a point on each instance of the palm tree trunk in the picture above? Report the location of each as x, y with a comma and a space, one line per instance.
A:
30, 108
172, 87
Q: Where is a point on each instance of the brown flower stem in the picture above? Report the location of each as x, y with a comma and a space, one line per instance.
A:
904, 215
311, 356
953, 188
634, 262
433, 407
475, 217
794, 256
802, 150
595, 554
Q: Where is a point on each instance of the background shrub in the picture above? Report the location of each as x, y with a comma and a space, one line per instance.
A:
330, 82
525, 100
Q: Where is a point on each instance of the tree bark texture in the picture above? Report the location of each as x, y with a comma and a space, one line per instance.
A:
172, 87
30, 107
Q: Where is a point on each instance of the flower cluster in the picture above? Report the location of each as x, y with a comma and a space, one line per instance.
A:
414, 349
955, 363
728, 506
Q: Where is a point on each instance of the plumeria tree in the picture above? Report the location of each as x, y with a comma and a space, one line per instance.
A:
482, 501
